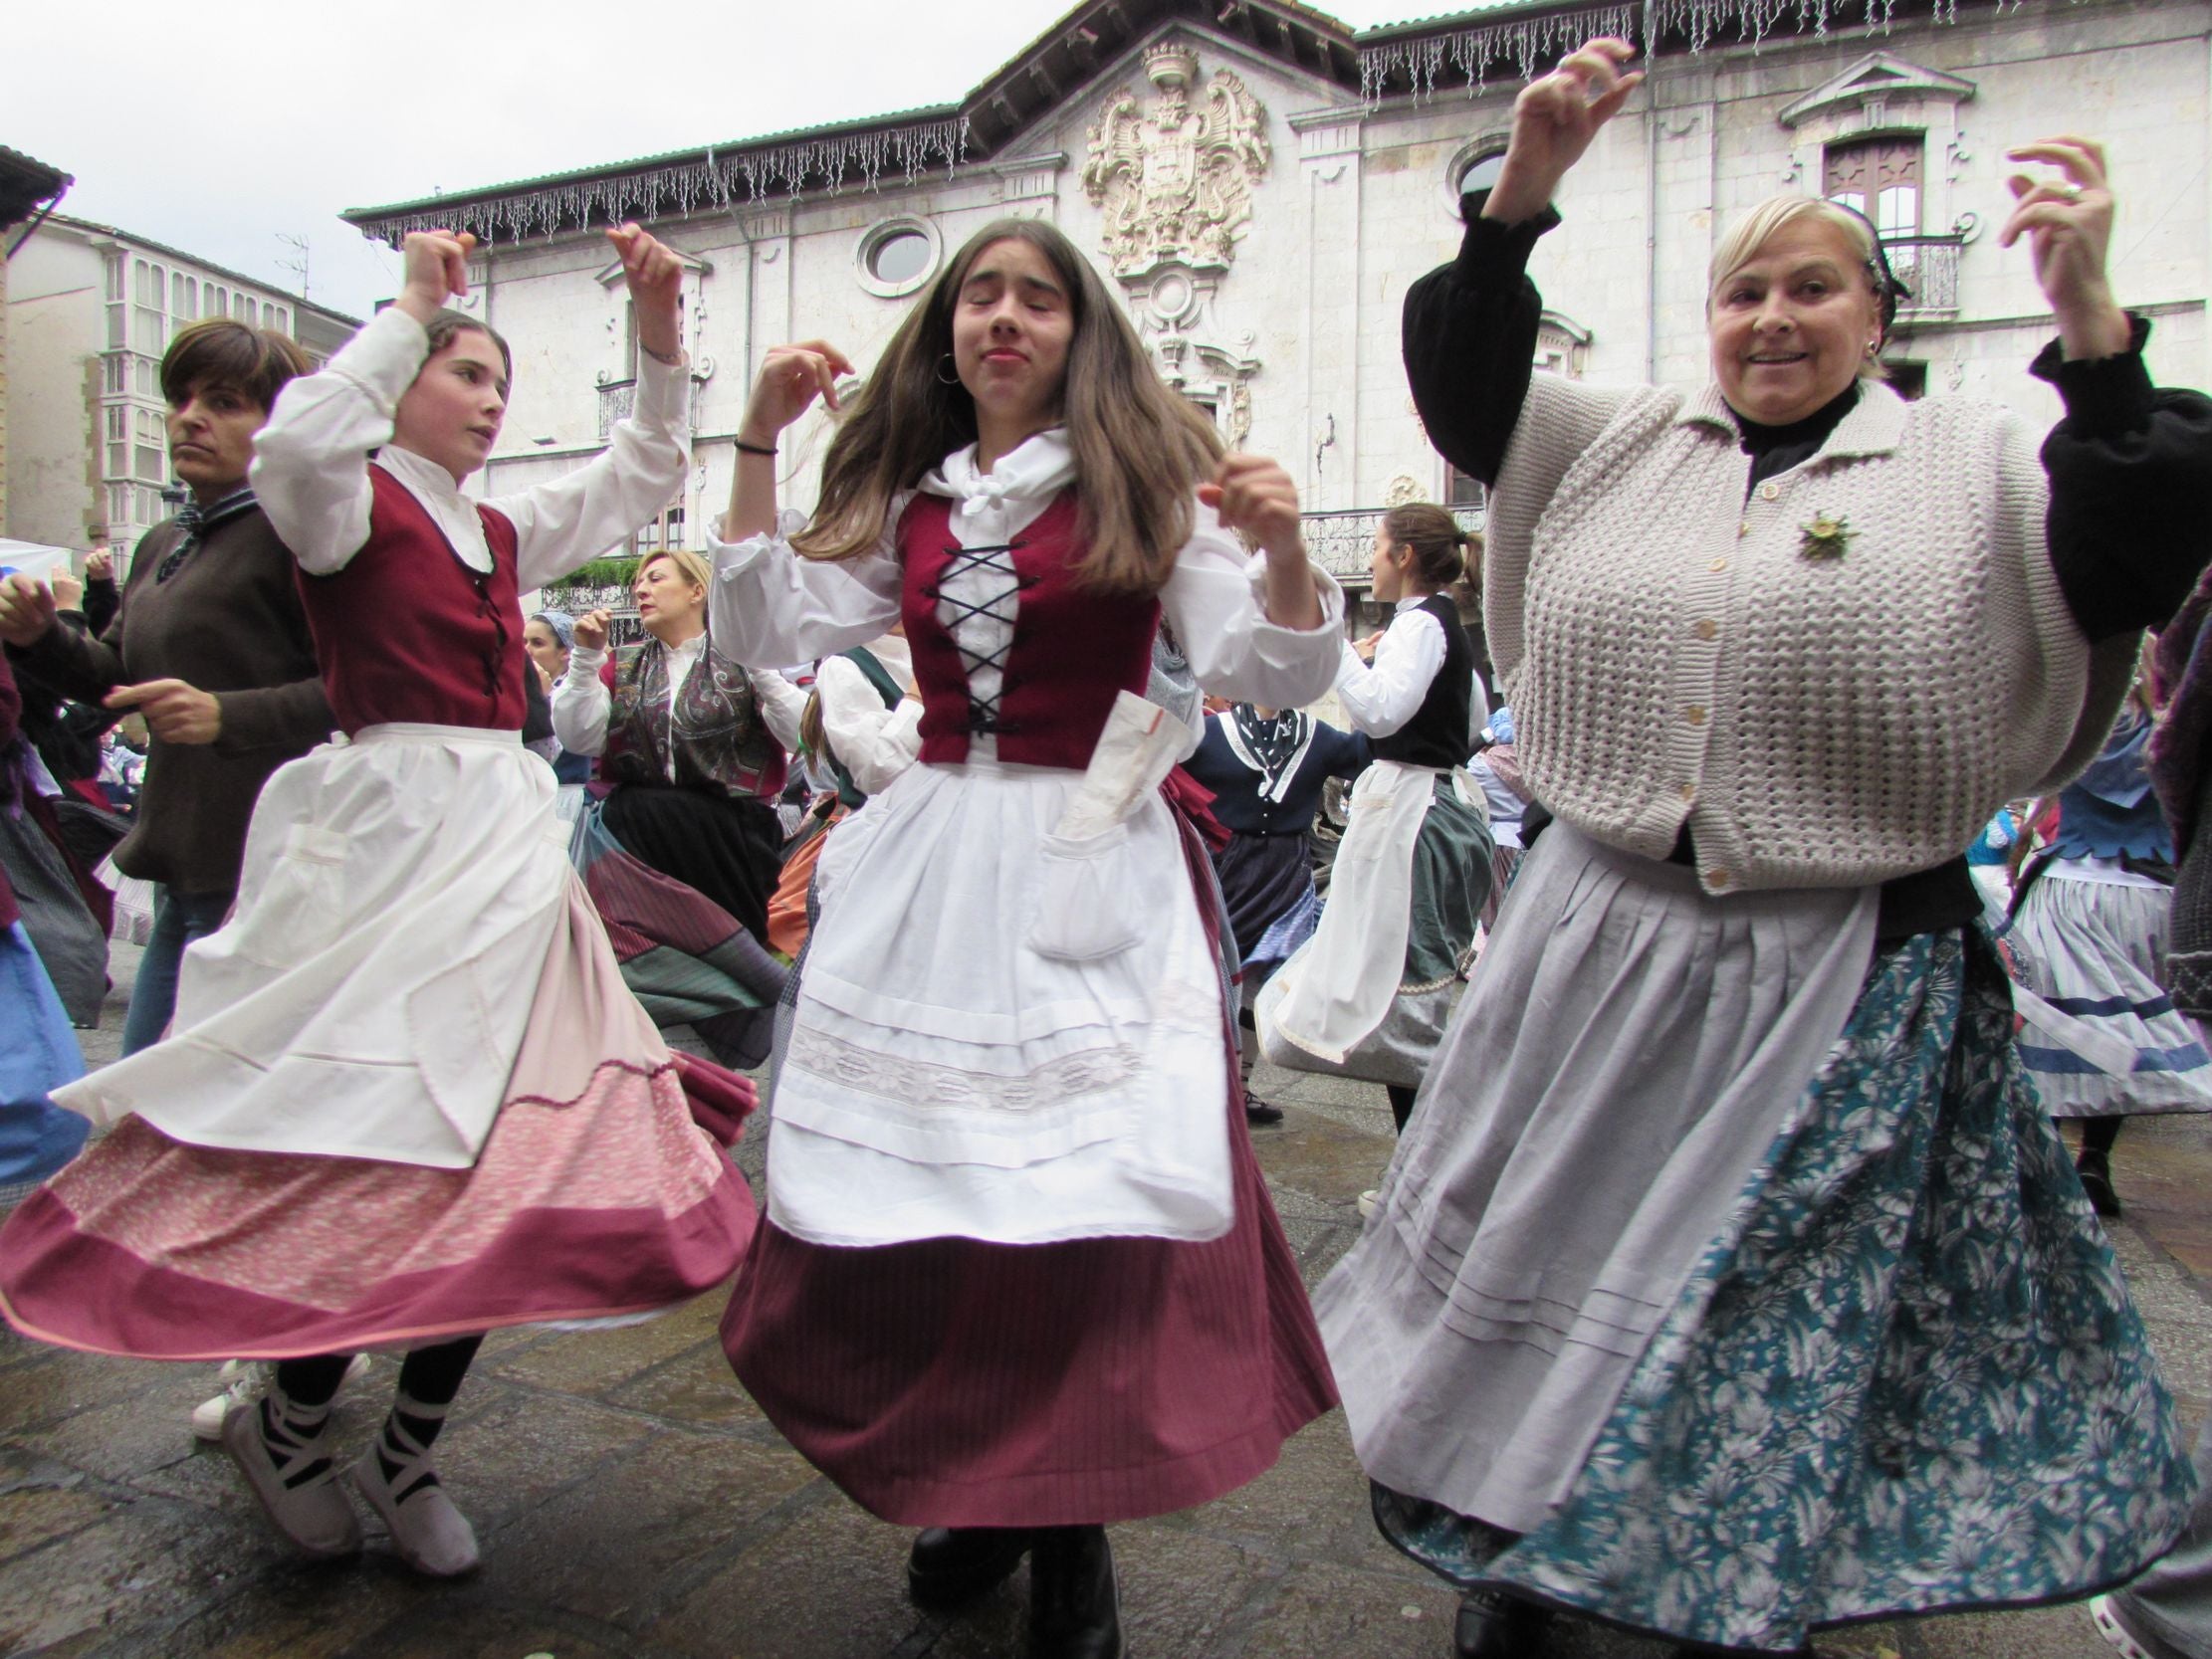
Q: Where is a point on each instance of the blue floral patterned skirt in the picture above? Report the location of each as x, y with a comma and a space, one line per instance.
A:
38, 1053
1906, 1377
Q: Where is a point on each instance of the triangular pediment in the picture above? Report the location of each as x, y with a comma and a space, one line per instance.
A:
1878, 78
1099, 40
1283, 85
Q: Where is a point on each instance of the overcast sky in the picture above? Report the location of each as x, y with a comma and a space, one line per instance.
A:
221, 130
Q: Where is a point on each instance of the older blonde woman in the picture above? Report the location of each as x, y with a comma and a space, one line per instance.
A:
1748, 1289
680, 847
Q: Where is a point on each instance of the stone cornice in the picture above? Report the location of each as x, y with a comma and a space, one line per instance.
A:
1411, 60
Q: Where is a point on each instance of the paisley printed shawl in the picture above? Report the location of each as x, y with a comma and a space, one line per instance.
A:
715, 730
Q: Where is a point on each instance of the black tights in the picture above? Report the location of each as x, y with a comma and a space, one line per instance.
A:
428, 1375
1400, 1102
2098, 1134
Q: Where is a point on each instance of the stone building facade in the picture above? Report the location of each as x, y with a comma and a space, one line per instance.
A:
29, 188
89, 309
1262, 185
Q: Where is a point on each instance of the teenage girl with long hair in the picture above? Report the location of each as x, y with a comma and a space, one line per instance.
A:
1368, 995
1021, 1278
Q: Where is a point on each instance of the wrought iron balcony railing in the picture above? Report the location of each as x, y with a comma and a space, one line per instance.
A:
1929, 267
1343, 542
618, 402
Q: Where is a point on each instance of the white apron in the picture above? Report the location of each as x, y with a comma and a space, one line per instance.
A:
1330, 996
368, 994
1024, 1049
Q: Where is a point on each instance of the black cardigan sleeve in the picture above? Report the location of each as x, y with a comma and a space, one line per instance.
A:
102, 599
1470, 340
2130, 470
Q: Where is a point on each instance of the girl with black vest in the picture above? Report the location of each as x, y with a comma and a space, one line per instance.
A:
1021, 1278
1369, 994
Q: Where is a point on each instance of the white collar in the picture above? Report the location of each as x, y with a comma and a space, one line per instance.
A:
1030, 474
452, 511
1411, 601
690, 648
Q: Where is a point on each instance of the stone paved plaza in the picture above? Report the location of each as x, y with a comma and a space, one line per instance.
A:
634, 1502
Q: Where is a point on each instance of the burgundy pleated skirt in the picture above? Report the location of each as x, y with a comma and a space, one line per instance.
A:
955, 1383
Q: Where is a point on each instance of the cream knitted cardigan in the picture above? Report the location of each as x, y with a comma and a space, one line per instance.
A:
1671, 652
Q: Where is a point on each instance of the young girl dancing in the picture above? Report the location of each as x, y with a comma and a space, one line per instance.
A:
358, 1134
1021, 1278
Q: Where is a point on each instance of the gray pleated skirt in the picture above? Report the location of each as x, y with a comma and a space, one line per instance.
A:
1623, 1057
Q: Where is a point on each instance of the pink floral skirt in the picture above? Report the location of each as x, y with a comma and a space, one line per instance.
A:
602, 1191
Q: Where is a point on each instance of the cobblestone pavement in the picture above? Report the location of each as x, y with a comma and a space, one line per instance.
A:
632, 1501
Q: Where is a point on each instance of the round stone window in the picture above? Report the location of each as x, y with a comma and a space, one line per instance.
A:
1482, 173
1475, 165
896, 257
899, 256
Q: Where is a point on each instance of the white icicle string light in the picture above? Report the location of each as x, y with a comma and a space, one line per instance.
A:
1527, 42
722, 181
1753, 19
1524, 43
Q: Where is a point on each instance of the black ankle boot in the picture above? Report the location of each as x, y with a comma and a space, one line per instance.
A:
1495, 1626
1074, 1597
2096, 1170
952, 1564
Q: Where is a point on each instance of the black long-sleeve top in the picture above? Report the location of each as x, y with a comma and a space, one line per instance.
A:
2130, 465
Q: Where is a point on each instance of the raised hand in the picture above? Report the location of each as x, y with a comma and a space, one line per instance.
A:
99, 565
1254, 495
436, 269
1554, 119
791, 379
2068, 222
69, 593
176, 711
656, 279
592, 630
26, 610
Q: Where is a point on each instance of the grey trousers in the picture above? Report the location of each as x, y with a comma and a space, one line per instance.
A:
2174, 1601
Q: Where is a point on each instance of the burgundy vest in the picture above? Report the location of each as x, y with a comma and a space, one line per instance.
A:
406, 632
1073, 648
720, 742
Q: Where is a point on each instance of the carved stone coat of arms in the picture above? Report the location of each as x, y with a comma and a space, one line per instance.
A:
1177, 183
